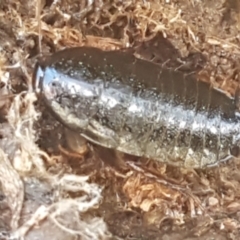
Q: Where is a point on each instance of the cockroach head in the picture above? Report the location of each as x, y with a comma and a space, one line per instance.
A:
38, 74
37, 78
43, 77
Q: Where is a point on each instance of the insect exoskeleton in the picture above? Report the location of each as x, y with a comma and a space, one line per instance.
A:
140, 108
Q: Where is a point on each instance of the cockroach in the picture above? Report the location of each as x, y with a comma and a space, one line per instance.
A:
135, 106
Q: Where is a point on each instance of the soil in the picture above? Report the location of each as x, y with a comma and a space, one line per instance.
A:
43, 191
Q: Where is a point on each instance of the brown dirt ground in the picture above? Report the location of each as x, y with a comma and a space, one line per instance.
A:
150, 200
